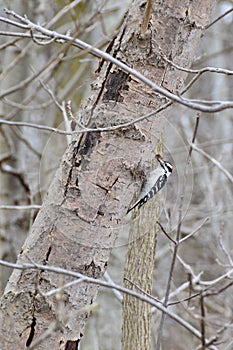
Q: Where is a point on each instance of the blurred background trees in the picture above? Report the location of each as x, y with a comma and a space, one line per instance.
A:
29, 158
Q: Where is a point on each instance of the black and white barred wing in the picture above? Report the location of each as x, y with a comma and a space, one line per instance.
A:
149, 189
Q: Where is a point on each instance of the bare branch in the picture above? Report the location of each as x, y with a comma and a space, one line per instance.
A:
218, 279
222, 245
61, 38
195, 281
117, 294
61, 288
198, 71
214, 161
84, 129
38, 126
218, 18
62, 12
202, 320
194, 231
20, 207
58, 270
166, 234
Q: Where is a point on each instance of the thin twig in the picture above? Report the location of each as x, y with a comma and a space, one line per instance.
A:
161, 301
187, 267
194, 231
117, 294
184, 286
202, 320
197, 71
62, 12
219, 291
218, 18
38, 126
142, 291
218, 279
214, 161
20, 207
222, 245
166, 234
25, 141
23, 35
62, 288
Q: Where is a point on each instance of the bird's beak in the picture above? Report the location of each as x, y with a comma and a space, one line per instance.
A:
161, 162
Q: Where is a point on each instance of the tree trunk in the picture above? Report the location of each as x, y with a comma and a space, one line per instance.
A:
139, 267
95, 183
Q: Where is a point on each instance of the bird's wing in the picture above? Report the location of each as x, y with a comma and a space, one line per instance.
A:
149, 190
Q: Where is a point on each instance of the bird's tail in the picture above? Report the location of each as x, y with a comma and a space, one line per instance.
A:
139, 203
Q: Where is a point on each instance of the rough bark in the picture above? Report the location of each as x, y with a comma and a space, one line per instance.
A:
97, 178
138, 273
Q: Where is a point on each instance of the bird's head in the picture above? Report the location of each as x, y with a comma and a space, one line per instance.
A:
168, 167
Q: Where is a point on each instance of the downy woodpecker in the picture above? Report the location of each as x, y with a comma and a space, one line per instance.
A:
154, 182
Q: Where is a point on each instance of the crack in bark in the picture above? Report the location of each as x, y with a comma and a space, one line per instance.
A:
48, 253
85, 145
108, 50
32, 332
108, 69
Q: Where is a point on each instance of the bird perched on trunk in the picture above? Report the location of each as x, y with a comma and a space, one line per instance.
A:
154, 182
